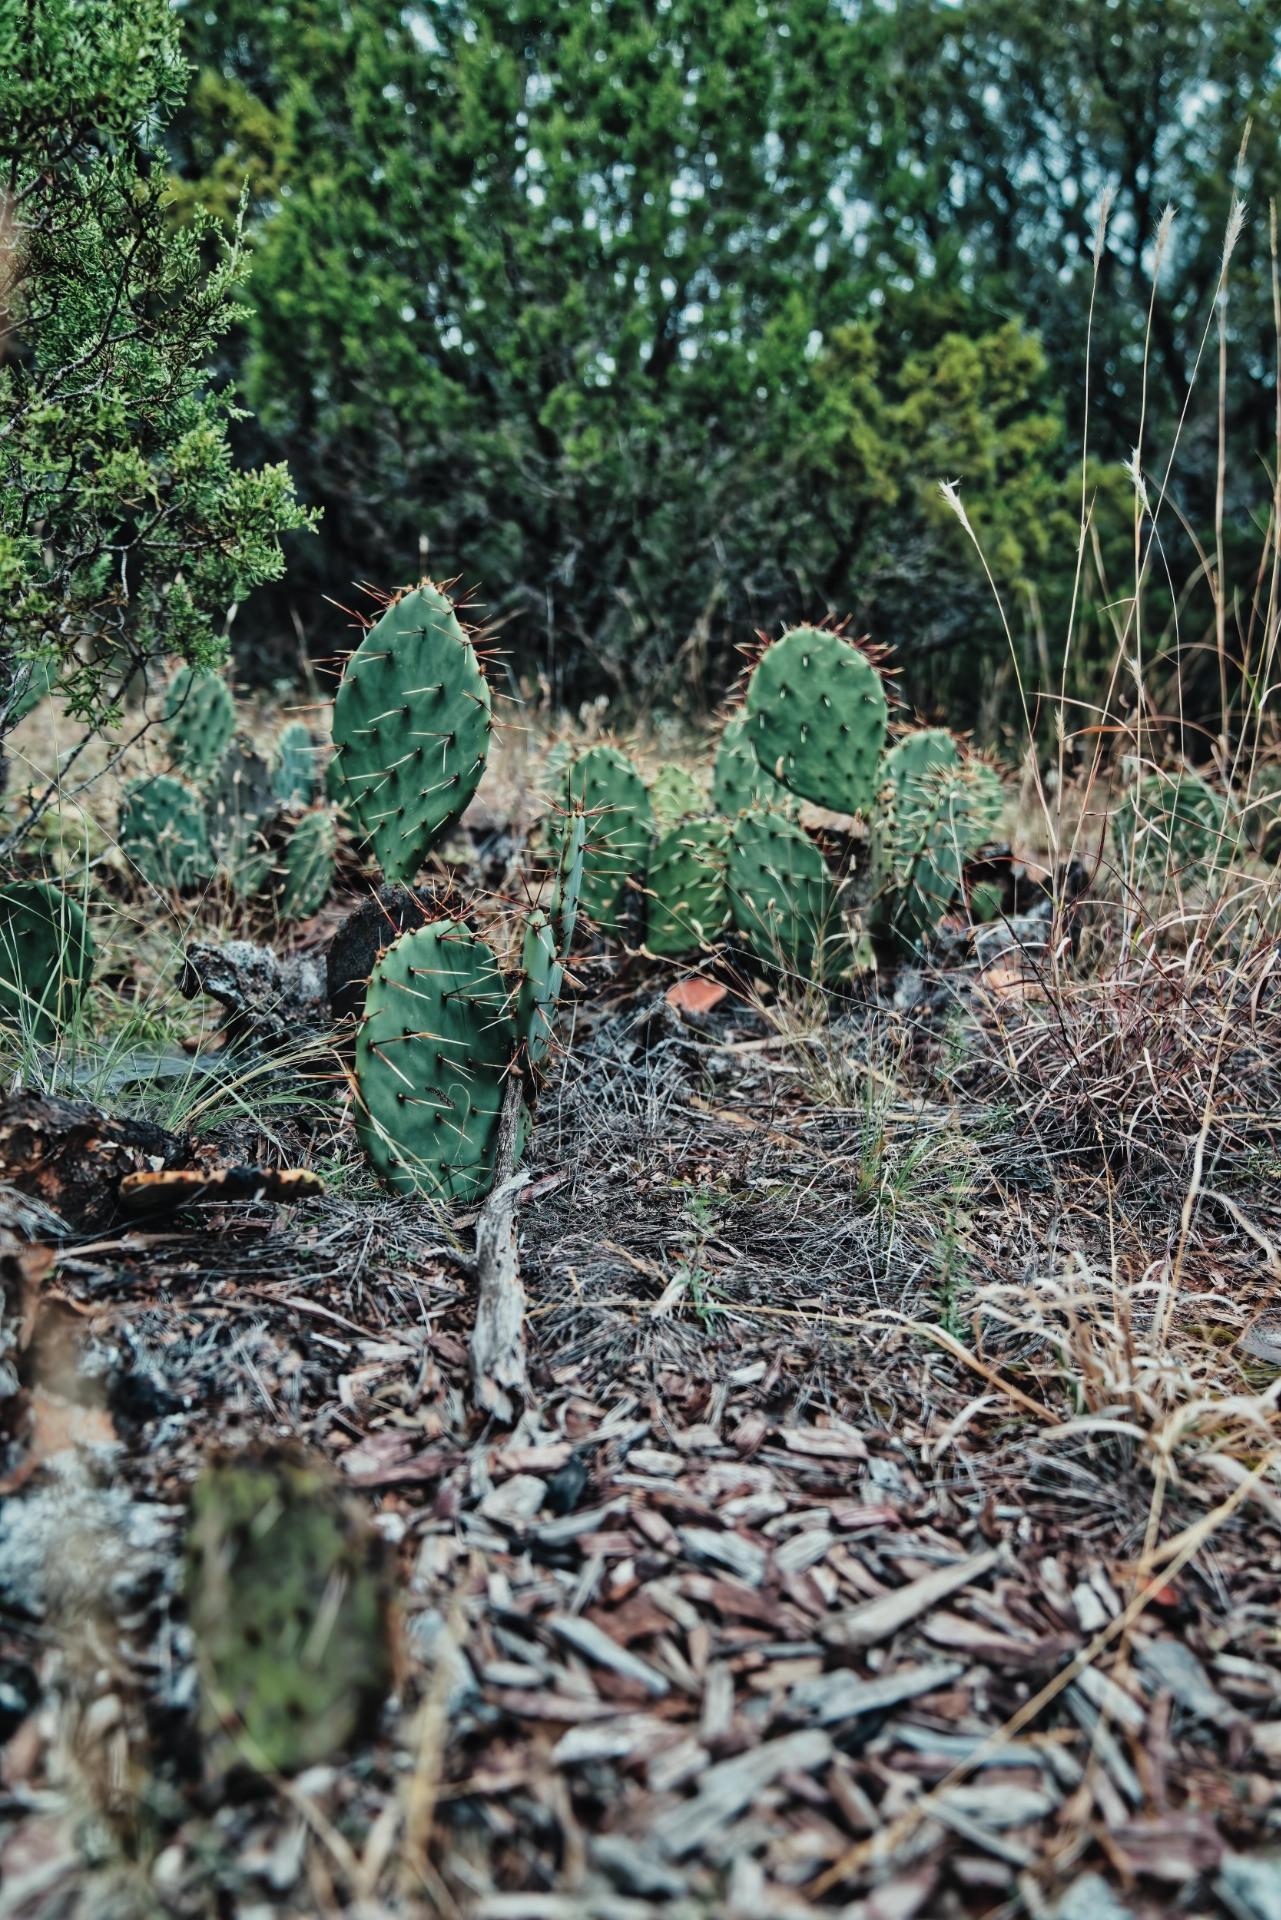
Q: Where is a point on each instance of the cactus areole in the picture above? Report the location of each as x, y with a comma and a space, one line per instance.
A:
412, 723
816, 718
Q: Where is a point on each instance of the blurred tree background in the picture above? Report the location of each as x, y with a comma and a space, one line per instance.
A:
660, 320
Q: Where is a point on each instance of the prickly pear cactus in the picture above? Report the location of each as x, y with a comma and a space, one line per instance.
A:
46, 956
782, 898
606, 786
412, 724
200, 718
569, 877
688, 887
1173, 829
675, 794
542, 974
433, 1051
289, 1616
306, 868
917, 754
293, 767
552, 778
162, 833
924, 831
240, 804
816, 718
739, 781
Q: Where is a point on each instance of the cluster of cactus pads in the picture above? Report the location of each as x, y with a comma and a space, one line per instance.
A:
225, 811
814, 728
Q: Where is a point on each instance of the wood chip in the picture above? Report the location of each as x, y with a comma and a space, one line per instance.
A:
597, 1646
875, 1620
732, 1785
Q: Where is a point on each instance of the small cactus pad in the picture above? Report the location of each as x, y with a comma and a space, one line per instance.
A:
241, 802
986, 807
288, 1612
675, 794
293, 767
163, 834
306, 868
606, 786
739, 781
200, 718
432, 1055
46, 956
542, 975
924, 831
781, 896
569, 877
412, 723
1173, 828
688, 892
917, 754
816, 718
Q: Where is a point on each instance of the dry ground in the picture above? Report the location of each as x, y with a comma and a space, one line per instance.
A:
894, 1528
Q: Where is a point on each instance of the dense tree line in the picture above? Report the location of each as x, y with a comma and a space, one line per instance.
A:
658, 322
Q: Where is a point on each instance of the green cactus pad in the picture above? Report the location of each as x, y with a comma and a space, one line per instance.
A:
293, 767
675, 794
306, 868
739, 781
1173, 829
917, 754
241, 802
986, 807
162, 833
569, 877
924, 831
987, 902
542, 975
816, 718
552, 779
432, 1056
200, 718
46, 956
288, 1612
782, 897
606, 786
687, 887
412, 724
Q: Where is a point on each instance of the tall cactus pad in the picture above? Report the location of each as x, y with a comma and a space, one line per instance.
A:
306, 870
606, 786
412, 723
162, 833
46, 956
924, 832
739, 781
1174, 829
674, 795
241, 802
816, 718
688, 889
432, 1055
569, 878
293, 767
542, 975
200, 718
288, 1613
782, 898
